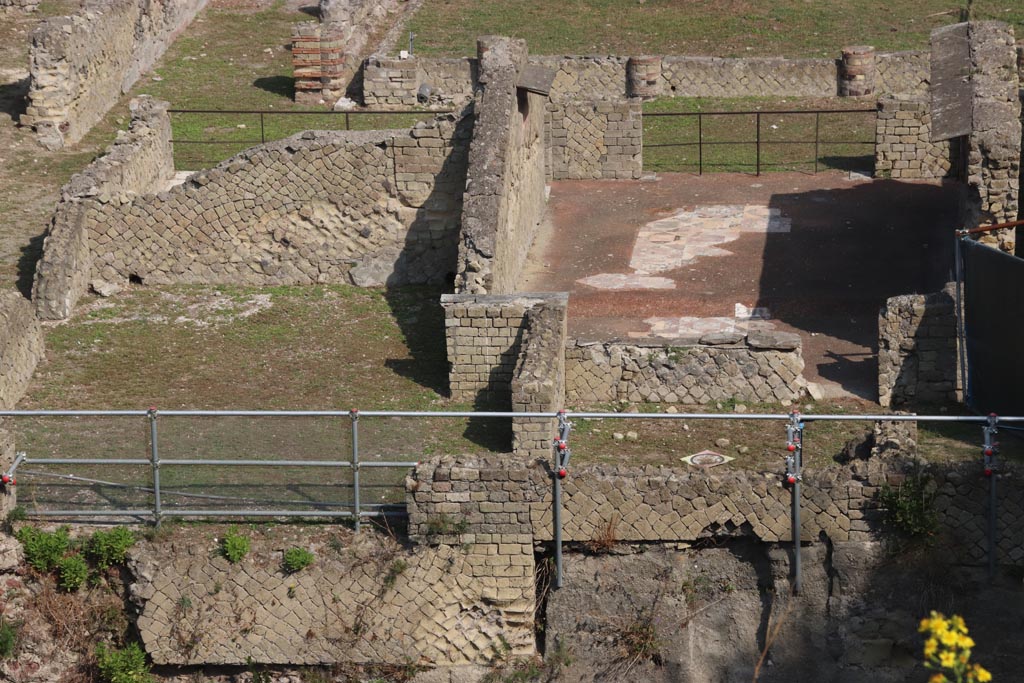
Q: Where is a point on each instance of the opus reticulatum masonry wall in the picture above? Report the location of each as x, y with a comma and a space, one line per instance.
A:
369, 207
762, 366
82, 64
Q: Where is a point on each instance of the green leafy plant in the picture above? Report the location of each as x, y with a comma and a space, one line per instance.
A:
72, 571
445, 525
43, 549
9, 633
297, 559
234, 546
909, 507
124, 665
107, 548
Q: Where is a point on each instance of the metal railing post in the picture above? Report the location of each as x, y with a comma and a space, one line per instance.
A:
354, 417
794, 445
263, 135
817, 120
700, 144
757, 118
347, 124
154, 456
562, 453
989, 451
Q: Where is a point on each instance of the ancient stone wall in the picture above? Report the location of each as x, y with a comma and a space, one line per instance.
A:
371, 602
82, 64
399, 83
139, 162
600, 139
903, 73
917, 362
588, 78
483, 335
759, 366
505, 198
21, 347
658, 504
22, 5
994, 152
903, 143
375, 207
326, 56
538, 382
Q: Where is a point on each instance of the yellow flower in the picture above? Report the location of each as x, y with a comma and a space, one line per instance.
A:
949, 639
947, 659
926, 624
982, 674
938, 678
966, 642
930, 646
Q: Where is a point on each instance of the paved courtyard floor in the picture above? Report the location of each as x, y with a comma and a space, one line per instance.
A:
682, 255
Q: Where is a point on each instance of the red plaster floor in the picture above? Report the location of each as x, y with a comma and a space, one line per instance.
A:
836, 248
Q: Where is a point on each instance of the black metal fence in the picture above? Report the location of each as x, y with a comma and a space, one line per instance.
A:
205, 137
758, 141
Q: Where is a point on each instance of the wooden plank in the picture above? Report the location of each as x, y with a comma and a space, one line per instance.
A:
951, 91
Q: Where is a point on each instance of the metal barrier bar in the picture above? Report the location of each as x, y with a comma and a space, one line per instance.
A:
155, 453
354, 417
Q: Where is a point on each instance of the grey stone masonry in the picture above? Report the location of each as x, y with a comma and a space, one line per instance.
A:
370, 603
903, 141
994, 154
538, 383
505, 199
599, 139
139, 162
590, 77
483, 335
8, 492
80, 65
669, 505
22, 5
761, 366
917, 361
371, 208
21, 347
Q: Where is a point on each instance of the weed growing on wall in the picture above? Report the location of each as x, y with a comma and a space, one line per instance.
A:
234, 546
297, 559
72, 571
445, 525
9, 633
124, 665
909, 507
44, 549
107, 548
395, 569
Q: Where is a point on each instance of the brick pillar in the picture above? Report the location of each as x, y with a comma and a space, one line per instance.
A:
857, 71
306, 62
643, 77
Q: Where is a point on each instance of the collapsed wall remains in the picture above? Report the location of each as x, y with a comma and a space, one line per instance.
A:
80, 65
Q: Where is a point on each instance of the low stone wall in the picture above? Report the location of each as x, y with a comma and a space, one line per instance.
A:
589, 77
759, 366
22, 5
538, 383
600, 139
903, 142
371, 603
483, 335
666, 505
373, 208
21, 347
82, 64
917, 362
139, 162
505, 199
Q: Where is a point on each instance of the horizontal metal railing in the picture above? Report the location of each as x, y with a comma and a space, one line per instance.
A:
794, 424
700, 143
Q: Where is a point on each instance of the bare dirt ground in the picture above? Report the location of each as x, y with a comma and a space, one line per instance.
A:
851, 244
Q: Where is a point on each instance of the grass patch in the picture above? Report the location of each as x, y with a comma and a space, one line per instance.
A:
729, 28
845, 141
